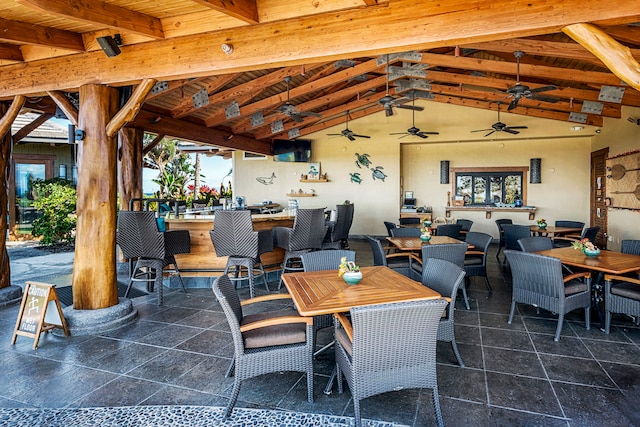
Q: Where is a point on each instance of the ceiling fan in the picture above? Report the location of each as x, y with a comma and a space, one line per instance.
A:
413, 130
501, 127
388, 101
291, 111
348, 133
519, 91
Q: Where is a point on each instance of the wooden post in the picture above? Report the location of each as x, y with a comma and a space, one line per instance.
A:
7, 116
130, 176
94, 269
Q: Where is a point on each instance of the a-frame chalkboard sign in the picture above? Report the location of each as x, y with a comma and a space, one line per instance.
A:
40, 312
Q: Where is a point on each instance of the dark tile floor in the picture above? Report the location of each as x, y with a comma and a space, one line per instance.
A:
177, 354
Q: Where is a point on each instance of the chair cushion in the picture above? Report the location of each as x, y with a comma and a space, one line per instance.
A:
473, 260
345, 342
273, 335
627, 290
574, 287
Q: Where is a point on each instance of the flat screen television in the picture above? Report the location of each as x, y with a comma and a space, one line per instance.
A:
296, 150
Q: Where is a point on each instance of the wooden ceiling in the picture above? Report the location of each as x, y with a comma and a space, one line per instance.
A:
220, 67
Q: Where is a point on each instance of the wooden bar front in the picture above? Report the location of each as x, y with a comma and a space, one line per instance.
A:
202, 260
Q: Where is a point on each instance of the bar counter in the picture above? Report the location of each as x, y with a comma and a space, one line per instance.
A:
202, 260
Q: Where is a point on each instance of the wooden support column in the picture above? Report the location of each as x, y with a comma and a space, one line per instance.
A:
7, 116
130, 176
94, 269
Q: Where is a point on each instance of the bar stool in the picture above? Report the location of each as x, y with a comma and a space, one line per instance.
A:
233, 236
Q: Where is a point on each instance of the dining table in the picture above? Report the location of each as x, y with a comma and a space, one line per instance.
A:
316, 293
553, 231
607, 262
415, 243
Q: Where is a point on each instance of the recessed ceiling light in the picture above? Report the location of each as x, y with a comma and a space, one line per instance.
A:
576, 128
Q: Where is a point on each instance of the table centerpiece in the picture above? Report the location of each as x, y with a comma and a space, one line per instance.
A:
542, 223
349, 271
425, 234
586, 246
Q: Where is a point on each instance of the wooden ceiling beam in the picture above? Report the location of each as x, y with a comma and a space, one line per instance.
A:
244, 10
625, 33
608, 110
266, 103
269, 45
542, 48
152, 122
370, 108
10, 52
132, 107
10, 115
175, 85
101, 13
630, 98
532, 112
23, 33
510, 68
321, 101
187, 107
617, 57
312, 122
65, 105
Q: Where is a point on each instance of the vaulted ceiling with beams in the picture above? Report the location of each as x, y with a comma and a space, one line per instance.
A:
237, 75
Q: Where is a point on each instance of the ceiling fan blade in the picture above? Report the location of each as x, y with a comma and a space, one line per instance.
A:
404, 136
431, 133
513, 104
296, 117
492, 131
551, 99
398, 133
543, 89
517, 127
409, 107
350, 137
510, 130
361, 136
422, 135
310, 113
388, 111
481, 130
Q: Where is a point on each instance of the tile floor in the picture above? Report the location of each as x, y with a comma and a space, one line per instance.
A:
177, 354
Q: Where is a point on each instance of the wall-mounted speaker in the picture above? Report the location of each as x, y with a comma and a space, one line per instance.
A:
444, 171
110, 45
535, 171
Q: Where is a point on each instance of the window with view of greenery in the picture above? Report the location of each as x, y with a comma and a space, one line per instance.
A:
484, 187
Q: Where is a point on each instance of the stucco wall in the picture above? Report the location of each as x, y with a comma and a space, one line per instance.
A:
563, 193
621, 136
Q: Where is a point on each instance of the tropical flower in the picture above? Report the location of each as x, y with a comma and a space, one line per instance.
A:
425, 231
346, 266
584, 244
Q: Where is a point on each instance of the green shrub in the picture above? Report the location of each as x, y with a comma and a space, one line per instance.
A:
56, 201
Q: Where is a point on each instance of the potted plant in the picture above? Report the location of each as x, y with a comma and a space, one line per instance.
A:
587, 247
349, 271
542, 223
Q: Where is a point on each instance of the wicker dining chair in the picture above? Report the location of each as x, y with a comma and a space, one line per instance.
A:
389, 347
406, 232
398, 261
513, 233
138, 237
535, 243
267, 342
475, 260
339, 237
566, 241
445, 278
307, 235
233, 236
621, 295
538, 281
499, 223
454, 253
451, 230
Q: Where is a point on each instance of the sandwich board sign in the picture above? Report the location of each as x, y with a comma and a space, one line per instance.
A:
40, 311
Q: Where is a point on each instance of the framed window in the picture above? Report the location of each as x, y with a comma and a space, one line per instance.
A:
486, 186
253, 156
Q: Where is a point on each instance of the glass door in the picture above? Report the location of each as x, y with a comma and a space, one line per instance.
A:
25, 175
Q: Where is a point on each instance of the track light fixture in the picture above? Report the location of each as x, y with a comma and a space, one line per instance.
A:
110, 45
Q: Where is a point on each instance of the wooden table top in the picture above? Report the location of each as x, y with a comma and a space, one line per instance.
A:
415, 244
324, 292
555, 231
607, 262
